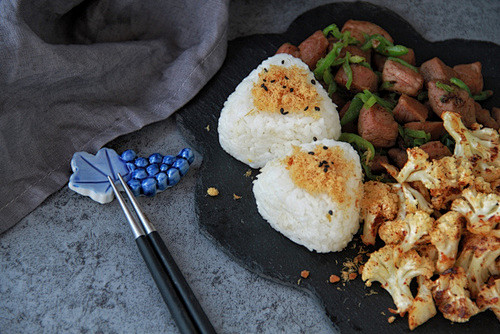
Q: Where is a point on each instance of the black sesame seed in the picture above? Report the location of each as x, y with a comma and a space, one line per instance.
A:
264, 86
325, 162
316, 108
286, 78
325, 147
291, 90
265, 69
283, 112
325, 169
273, 81
320, 164
282, 61
311, 153
264, 80
330, 212
307, 107
284, 87
314, 138
313, 82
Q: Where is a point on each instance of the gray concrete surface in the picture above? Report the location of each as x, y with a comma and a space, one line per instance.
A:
71, 266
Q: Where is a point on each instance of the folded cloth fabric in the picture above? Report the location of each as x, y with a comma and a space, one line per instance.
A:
75, 74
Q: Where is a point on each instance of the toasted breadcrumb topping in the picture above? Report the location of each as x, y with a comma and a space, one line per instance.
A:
334, 279
236, 197
325, 170
212, 191
286, 90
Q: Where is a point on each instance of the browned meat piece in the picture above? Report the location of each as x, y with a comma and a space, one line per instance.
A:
471, 75
289, 49
436, 150
404, 79
435, 69
338, 99
398, 156
378, 126
313, 48
362, 78
483, 117
408, 110
376, 163
357, 28
495, 113
344, 109
457, 101
356, 51
379, 60
435, 129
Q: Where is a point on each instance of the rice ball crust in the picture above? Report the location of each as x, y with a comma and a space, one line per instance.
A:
304, 217
254, 138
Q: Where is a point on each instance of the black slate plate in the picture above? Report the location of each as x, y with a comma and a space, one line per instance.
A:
237, 226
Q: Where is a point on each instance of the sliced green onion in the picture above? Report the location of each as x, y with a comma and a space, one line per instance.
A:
356, 59
386, 84
443, 86
483, 95
365, 64
332, 29
370, 102
348, 71
448, 141
353, 112
361, 144
460, 84
395, 50
329, 80
328, 60
412, 137
386, 104
402, 62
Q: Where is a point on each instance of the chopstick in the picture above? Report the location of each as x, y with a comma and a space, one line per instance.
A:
174, 289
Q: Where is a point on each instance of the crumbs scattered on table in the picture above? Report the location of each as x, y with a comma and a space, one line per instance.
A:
236, 197
334, 279
372, 292
391, 319
212, 191
207, 127
248, 173
304, 273
299, 281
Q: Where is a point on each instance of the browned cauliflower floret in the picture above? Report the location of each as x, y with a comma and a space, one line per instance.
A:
392, 231
430, 253
445, 236
408, 231
395, 271
423, 307
378, 205
481, 210
480, 146
452, 297
478, 256
489, 296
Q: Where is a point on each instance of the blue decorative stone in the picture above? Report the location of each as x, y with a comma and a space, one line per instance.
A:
182, 165
162, 181
135, 186
141, 162
168, 160
155, 158
131, 166
139, 174
90, 174
149, 186
164, 167
187, 154
173, 176
152, 169
128, 155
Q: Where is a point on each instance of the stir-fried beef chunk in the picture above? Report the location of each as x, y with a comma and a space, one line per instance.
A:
483, 117
398, 156
357, 28
379, 60
378, 126
376, 163
436, 150
435, 69
289, 49
471, 75
355, 51
313, 49
408, 110
362, 78
457, 101
404, 80
435, 129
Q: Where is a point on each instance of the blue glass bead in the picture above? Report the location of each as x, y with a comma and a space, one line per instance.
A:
141, 162
182, 165
152, 169
135, 186
164, 167
173, 176
162, 180
168, 160
128, 155
131, 167
155, 158
149, 186
139, 174
187, 154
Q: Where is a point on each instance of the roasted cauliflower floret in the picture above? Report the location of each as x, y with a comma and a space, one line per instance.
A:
479, 254
430, 253
423, 307
445, 236
378, 205
392, 231
481, 210
407, 232
452, 297
489, 297
480, 146
395, 272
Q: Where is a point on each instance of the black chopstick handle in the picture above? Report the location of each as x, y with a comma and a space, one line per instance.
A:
175, 305
193, 306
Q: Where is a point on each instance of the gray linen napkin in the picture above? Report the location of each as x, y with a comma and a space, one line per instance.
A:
76, 74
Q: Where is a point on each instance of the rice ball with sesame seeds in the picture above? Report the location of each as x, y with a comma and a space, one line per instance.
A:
313, 195
279, 104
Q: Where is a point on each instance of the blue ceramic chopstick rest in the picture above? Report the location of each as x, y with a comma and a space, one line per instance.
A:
144, 176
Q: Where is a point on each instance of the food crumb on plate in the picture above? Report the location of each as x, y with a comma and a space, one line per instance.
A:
248, 173
236, 197
304, 273
212, 191
334, 279
207, 127
391, 319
